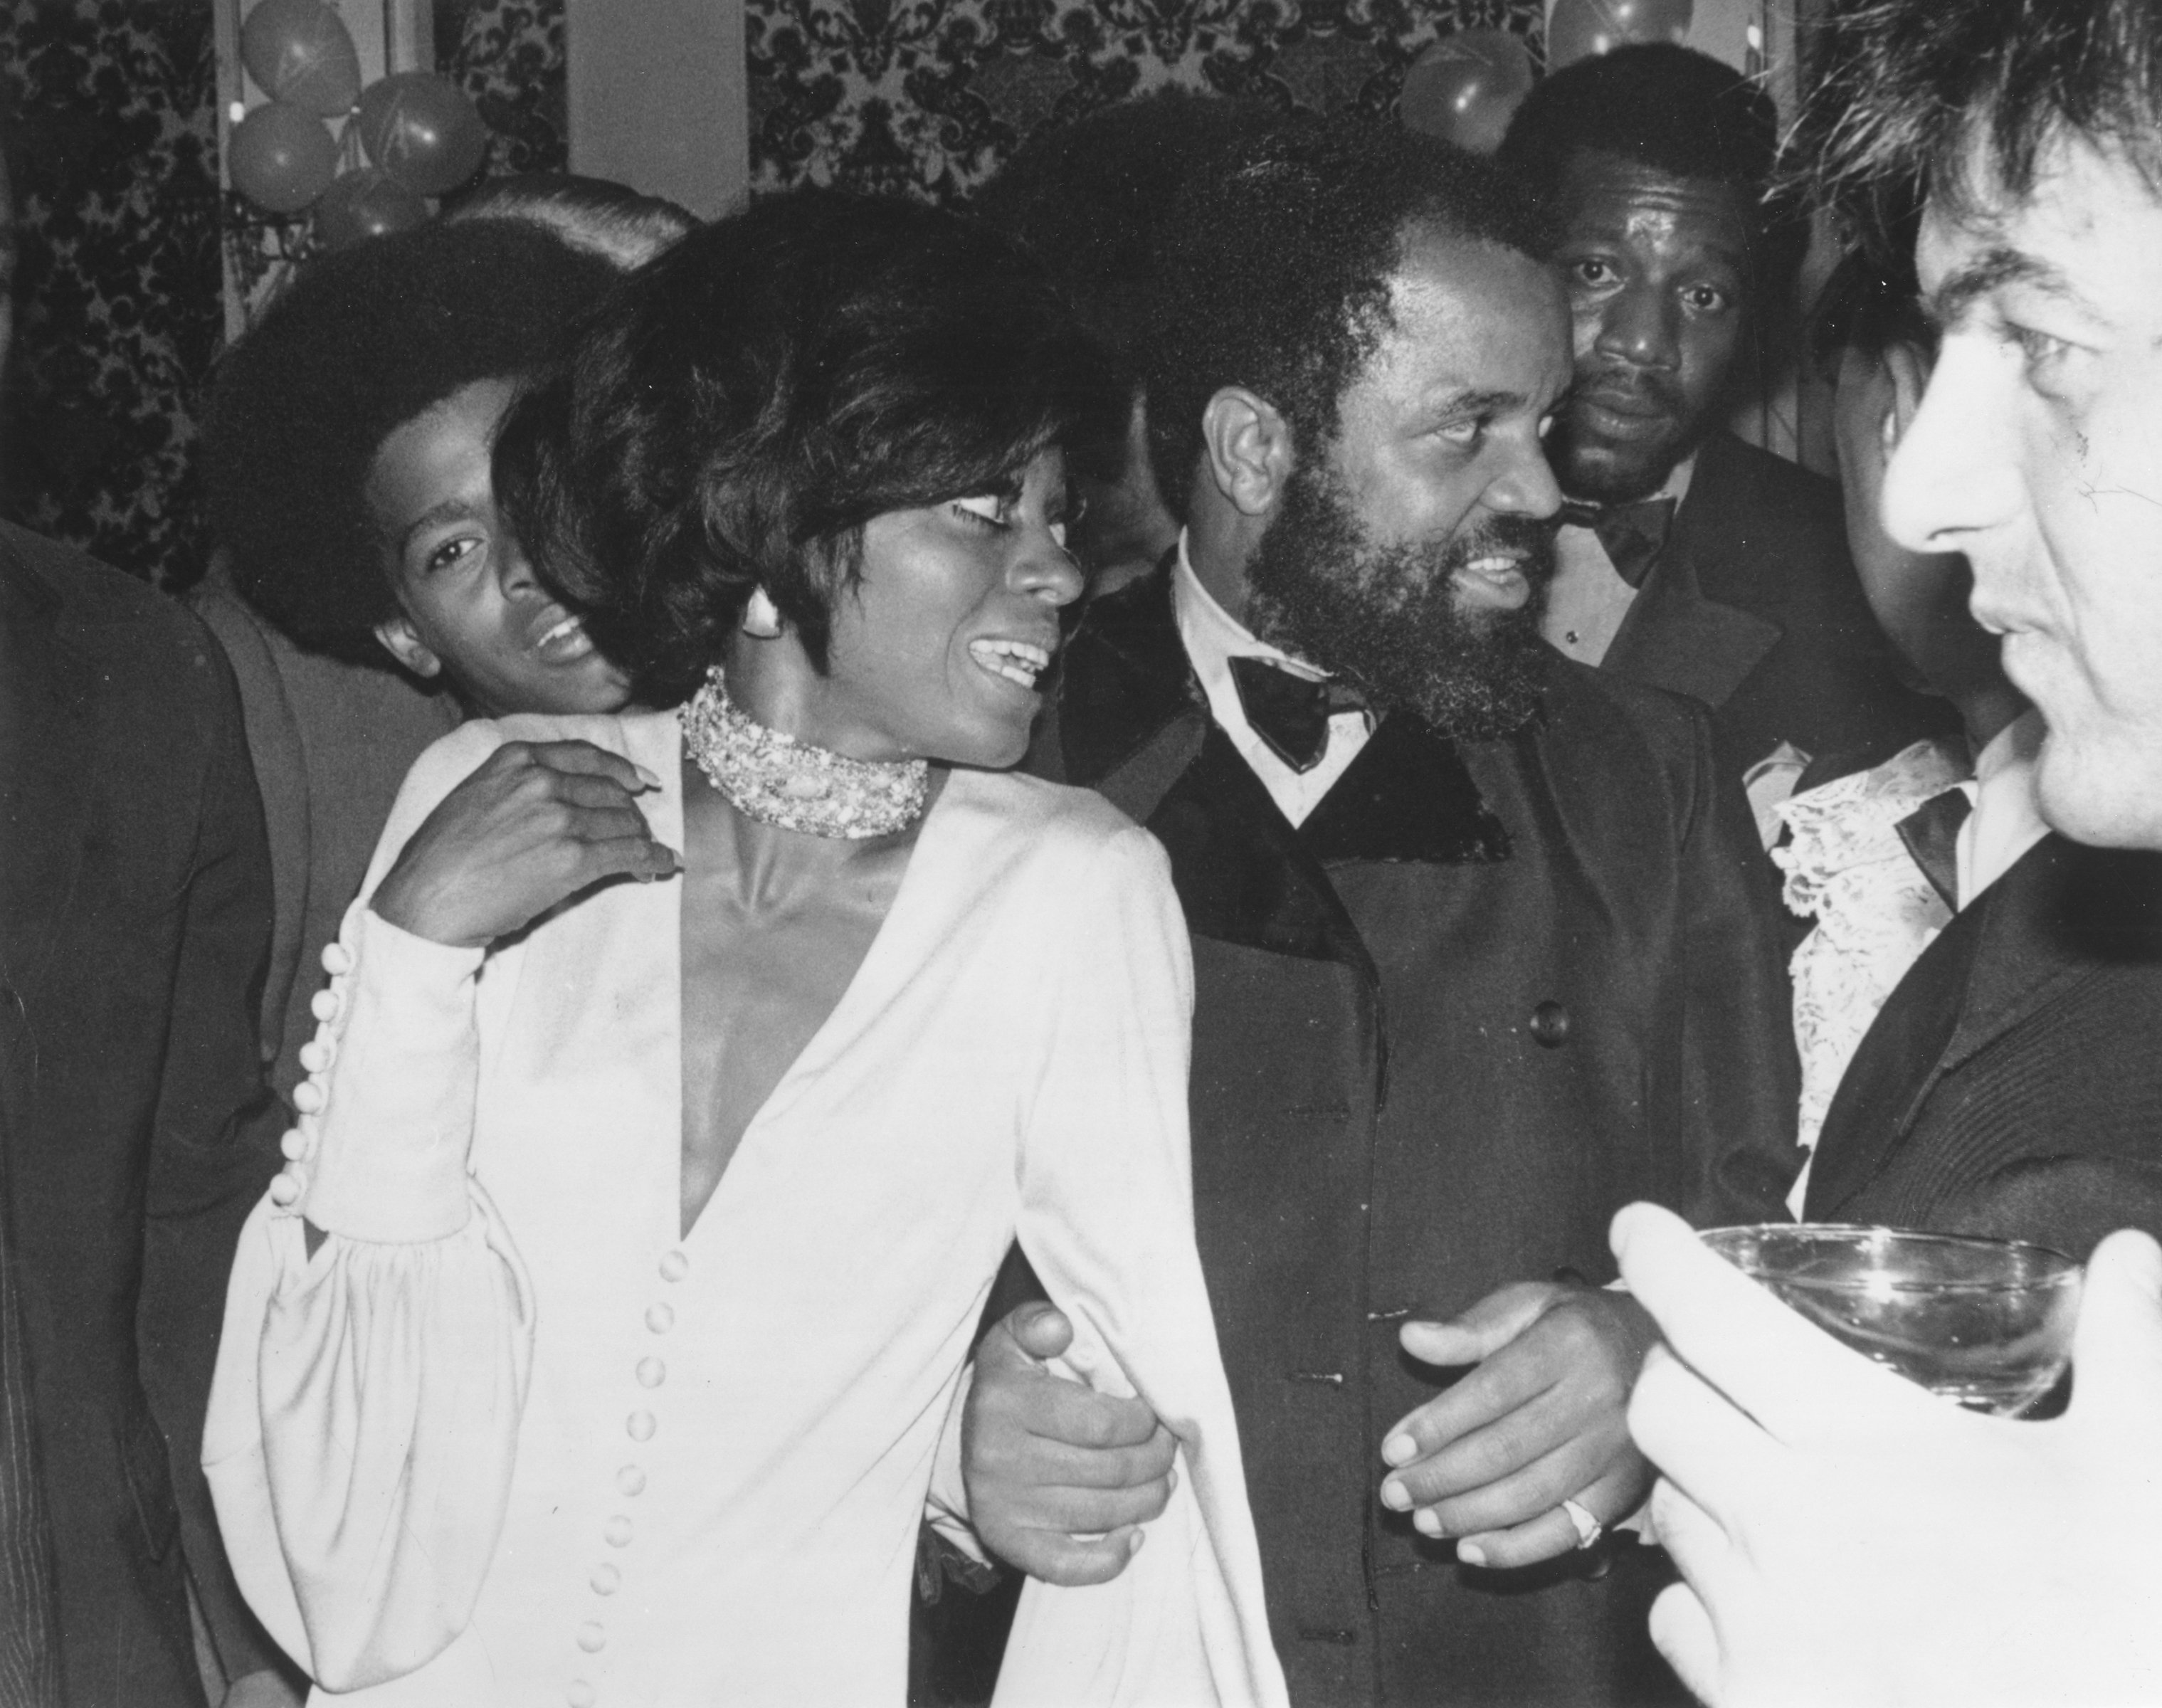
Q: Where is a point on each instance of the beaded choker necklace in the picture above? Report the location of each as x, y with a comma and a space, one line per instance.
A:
776, 779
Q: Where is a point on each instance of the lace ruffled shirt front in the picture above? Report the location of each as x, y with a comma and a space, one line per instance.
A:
1847, 869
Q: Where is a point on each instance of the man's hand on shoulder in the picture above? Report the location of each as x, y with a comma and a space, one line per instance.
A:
1542, 1419
1060, 1478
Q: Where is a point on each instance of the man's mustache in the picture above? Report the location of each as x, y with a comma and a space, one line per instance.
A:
1630, 388
1529, 539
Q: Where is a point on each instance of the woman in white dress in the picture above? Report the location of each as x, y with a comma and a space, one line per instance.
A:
597, 1343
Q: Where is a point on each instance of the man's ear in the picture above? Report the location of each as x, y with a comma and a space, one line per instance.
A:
403, 642
1247, 447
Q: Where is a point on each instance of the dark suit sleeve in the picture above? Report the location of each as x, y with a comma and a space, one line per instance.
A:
215, 1145
1742, 1082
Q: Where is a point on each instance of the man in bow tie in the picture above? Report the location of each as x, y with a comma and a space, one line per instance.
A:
1687, 559
1482, 949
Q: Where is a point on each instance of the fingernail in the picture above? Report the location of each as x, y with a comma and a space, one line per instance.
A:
646, 777
1399, 1449
1394, 1494
1471, 1554
1133, 1542
1427, 1521
1173, 1475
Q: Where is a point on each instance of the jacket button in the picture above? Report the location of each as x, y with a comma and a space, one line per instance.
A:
1550, 1025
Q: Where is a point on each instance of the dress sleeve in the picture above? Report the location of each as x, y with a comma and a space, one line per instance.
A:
1106, 1218
363, 1419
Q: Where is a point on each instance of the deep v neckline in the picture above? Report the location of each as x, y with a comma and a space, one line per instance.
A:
822, 1041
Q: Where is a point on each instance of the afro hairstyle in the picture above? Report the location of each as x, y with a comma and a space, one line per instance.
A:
365, 340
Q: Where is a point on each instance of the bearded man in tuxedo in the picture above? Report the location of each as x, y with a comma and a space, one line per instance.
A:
1483, 946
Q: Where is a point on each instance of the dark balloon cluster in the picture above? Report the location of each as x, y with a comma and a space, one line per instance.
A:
402, 139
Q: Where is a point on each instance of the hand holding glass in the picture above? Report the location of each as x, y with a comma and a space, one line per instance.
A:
1985, 1322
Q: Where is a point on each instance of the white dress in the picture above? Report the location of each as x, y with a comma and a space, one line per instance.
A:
508, 1439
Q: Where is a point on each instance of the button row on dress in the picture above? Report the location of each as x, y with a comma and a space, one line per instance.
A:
309, 1097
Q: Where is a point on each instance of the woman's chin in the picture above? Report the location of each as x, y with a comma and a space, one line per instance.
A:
994, 747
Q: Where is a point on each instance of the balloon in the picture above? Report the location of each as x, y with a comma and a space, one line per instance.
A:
281, 158
1464, 87
1578, 29
421, 130
298, 51
363, 204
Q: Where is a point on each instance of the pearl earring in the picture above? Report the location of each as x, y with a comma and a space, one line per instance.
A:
761, 617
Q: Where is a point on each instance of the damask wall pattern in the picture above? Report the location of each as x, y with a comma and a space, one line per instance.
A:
508, 56
118, 311
927, 97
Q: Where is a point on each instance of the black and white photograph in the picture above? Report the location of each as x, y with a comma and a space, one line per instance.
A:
1080, 853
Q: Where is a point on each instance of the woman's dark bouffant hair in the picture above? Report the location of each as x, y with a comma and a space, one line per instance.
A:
365, 340
733, 415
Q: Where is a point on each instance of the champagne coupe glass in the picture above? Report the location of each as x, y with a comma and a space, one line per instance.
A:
1985, 1322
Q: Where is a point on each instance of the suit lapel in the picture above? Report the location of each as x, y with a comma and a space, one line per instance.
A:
1406, 797
1677, 635
2062, 913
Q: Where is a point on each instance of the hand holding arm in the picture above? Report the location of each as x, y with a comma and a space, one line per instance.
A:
1540, 1420
1060, 1478
1847, 1537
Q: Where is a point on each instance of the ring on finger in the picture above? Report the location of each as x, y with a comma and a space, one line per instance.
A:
1589, 1529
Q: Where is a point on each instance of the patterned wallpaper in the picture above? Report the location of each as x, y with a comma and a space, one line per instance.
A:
117, 297
508, 56
928, 97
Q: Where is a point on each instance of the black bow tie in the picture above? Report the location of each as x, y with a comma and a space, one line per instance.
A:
1291, 713
1631, 533
1931, 834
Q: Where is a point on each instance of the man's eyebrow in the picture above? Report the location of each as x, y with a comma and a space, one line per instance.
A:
450, 510
1991, 270
1477, 403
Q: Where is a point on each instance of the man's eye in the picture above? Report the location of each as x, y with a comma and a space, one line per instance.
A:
449, 552
1591, 270
2041, 353
989, 511
1463, 434
1706, 298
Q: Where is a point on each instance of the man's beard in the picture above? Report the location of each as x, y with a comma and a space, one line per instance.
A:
1387, 618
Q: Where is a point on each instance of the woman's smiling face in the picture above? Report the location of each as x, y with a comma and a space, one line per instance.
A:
469, 606
937, 646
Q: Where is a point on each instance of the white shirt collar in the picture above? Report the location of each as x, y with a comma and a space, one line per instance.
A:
2006, 820
1213, 638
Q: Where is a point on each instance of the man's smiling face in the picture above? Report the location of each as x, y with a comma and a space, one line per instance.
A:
2038, 452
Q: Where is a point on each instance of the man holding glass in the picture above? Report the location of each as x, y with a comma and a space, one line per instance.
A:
1846, 1536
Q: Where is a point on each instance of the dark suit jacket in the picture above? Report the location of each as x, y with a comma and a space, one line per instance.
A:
1442, 1031
1753, 607
134, 919
2027, 1032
